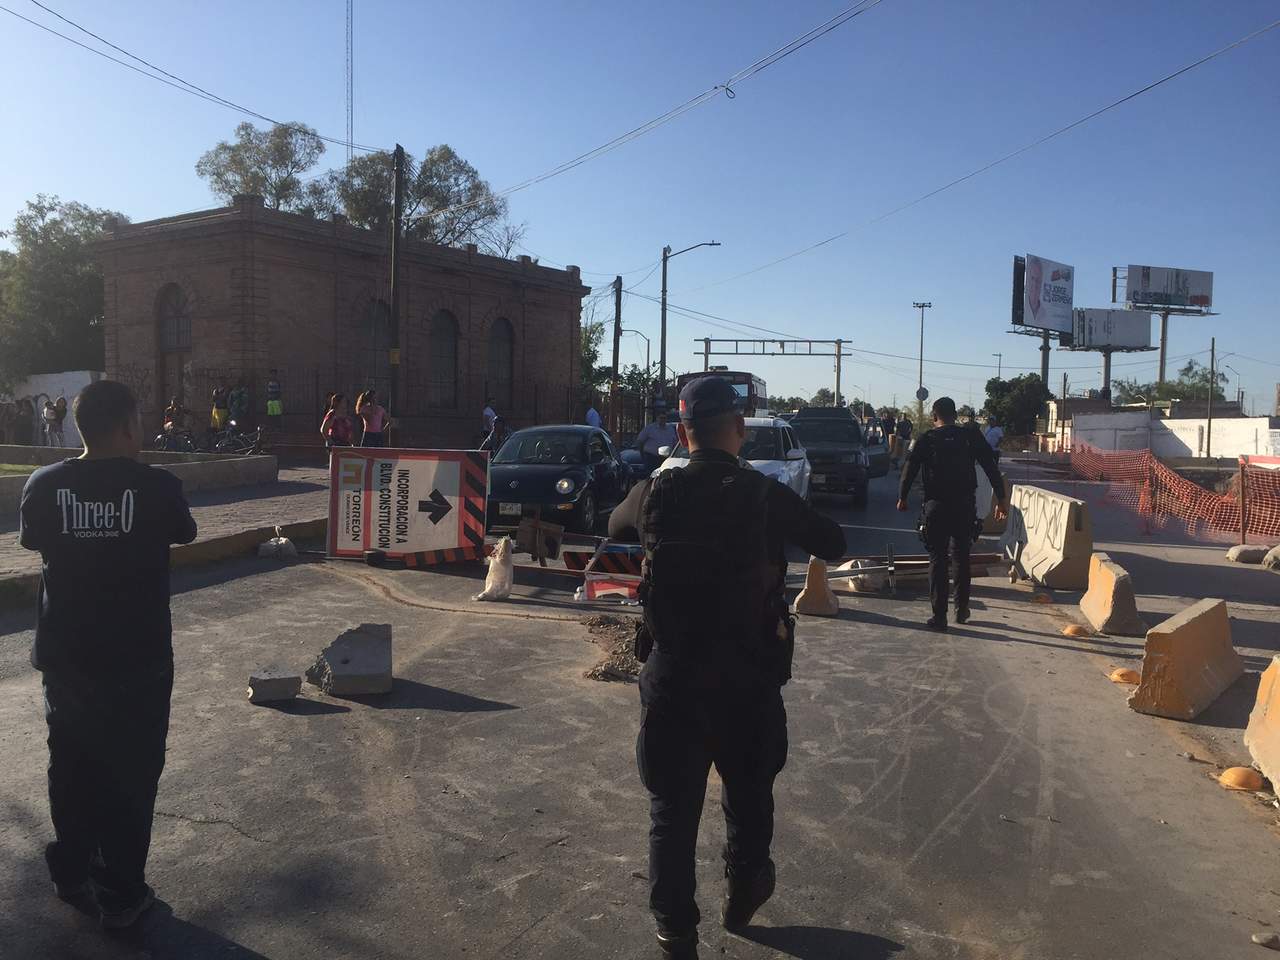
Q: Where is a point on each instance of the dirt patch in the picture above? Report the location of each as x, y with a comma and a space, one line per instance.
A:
615, 635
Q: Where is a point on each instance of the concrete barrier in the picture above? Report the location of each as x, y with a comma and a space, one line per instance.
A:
1049, 538
1262, 736
1188, 663
817, 598
197, 471
1109, 604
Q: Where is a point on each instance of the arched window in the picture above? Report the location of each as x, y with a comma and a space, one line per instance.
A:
442, 360
501, 363
173, 319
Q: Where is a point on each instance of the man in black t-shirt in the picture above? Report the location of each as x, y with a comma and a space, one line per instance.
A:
947, 455
103, 523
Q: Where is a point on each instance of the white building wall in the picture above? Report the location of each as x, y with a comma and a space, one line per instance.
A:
1136, 430
40, 387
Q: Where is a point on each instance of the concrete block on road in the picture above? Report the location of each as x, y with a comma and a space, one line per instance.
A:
873, 582
1247, 553
817, 598
273, 684
357, 663
1262, 736
1049, 537
1109, 604
1272, 560
1188, 663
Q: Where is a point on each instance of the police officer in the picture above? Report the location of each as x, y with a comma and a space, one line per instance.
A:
714, 535
947, 455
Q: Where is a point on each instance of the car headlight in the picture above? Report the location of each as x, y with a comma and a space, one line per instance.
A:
564, 485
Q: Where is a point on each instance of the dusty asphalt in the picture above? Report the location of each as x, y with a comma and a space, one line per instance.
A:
981, 794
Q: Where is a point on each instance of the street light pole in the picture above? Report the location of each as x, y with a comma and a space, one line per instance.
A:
920, 387
647, 368
999, 363
662, 348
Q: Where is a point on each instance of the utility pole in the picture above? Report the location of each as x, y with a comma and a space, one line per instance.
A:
999, 364
1106, 375
1044, 358
397, 214
617, 339
662, 342
706, 354
1213, 383
1164, 343
839, 350
920, 386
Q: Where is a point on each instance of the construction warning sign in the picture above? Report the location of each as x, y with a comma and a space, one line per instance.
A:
423, 506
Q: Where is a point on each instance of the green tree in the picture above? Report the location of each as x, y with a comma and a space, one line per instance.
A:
1192, 385
1016, 403
445, 199
783, 404
823, 398
51, 299
265, 162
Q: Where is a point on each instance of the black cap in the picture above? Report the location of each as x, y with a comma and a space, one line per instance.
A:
707, 397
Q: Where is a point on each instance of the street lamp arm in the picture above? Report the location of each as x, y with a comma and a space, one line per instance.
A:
707, 243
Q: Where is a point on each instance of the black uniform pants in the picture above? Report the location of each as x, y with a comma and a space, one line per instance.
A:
106, 751
948, 532
745, 736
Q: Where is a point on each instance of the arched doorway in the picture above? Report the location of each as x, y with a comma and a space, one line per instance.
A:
173, 338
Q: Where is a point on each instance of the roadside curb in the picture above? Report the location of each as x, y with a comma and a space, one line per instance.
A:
20, 591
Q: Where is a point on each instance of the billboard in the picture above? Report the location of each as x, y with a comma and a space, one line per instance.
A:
1169, 287
422, 505
1118, 329
1042, 293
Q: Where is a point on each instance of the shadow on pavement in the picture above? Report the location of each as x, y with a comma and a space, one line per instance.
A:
823, 943
412, 695
160, 933
301, 707
1231, 710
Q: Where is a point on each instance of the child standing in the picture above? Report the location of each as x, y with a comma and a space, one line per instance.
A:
103, 523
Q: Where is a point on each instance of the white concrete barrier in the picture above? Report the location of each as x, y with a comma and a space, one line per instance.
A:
1048, 538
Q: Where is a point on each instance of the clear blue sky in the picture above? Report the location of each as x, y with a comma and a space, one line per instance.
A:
876, 113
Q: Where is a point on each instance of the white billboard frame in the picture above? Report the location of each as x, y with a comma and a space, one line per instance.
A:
1163, 288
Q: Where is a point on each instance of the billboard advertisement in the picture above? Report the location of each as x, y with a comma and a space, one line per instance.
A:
428, 505
1047, 291
1169, 287
1117, 329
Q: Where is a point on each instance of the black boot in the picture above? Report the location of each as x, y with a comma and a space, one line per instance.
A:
746, 894
678, 946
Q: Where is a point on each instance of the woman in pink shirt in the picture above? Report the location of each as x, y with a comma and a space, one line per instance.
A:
336, 426
375, 419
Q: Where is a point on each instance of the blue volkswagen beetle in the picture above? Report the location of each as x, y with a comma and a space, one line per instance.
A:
573, 473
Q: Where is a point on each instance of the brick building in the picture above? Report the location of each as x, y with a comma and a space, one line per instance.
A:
223, 296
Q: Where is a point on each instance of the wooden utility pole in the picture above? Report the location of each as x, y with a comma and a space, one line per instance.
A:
397, 214
617, 339
839, 350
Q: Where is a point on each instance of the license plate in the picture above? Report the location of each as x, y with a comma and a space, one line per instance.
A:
819, 478
509, 509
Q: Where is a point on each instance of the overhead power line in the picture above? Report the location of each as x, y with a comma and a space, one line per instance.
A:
999, 160
725, 88
161, 75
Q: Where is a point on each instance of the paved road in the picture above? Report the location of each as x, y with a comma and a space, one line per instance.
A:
980, 794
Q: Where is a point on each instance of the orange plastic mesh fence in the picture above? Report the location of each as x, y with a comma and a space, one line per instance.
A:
1140, 481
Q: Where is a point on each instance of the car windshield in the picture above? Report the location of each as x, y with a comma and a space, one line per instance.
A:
543, 446
761, 443
827, 431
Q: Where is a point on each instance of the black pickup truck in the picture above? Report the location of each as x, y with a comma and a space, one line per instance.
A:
837, 452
